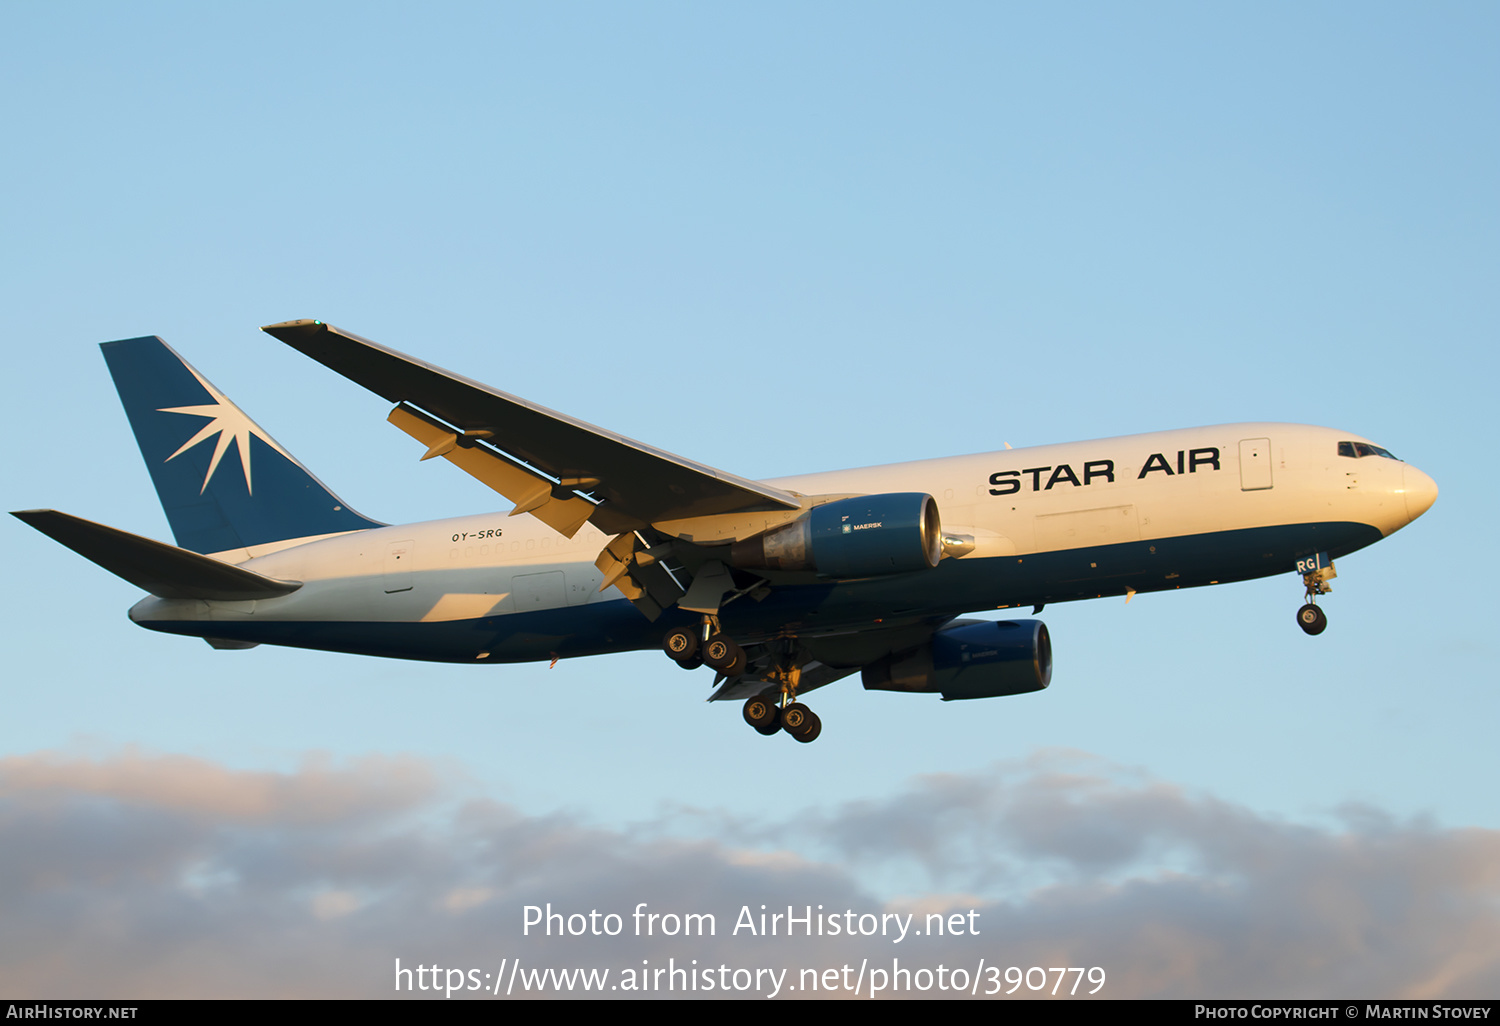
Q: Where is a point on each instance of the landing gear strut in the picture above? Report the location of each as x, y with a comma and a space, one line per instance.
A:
1316, 573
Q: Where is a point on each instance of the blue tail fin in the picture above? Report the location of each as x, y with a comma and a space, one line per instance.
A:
216, 499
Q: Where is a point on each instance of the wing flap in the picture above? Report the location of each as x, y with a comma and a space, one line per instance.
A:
637, 483
648, 585
531, 492
163, 570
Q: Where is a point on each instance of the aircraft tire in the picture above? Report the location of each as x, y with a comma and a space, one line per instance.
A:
681, 643
690, 664
811, 726
1311, 619
724, 655
762, 712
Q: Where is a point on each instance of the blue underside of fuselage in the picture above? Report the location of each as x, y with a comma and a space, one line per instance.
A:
956, 586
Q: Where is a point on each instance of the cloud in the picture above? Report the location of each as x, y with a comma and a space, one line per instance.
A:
155, 876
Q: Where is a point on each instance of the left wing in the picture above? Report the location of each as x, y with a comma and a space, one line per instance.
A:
562, 470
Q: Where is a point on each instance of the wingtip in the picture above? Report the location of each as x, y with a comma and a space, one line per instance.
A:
305, 322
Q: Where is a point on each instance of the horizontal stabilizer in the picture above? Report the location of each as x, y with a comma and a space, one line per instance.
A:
163, 570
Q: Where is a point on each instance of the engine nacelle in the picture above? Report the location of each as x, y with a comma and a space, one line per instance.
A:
865, 536
977, 659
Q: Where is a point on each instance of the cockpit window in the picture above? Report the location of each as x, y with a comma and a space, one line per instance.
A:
1357, 449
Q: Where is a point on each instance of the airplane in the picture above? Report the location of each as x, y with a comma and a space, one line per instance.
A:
780, 587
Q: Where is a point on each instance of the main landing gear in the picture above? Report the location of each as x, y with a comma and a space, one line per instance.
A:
691, 648
795, 718
1316, 573
690, 651
762, 712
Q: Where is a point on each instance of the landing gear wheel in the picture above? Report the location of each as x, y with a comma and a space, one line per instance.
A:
801, 722
724, 655
1312, 619
811, 730
681, 643
763, 715
690, 664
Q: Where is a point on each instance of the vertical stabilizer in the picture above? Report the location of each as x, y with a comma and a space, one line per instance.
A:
224, 483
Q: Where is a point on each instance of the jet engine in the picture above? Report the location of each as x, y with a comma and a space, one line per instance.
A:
864, 536
970, 659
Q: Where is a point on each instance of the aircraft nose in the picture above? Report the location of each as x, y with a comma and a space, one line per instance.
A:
1421, 491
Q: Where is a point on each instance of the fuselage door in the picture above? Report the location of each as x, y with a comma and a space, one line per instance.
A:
398, 566
1255, 464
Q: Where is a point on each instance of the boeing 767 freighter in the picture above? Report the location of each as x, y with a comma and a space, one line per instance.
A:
780, 586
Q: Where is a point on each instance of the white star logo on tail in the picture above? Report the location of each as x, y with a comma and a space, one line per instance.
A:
230, 423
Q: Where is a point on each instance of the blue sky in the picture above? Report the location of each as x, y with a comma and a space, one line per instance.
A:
775, 239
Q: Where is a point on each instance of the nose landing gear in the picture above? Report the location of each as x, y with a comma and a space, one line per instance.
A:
1316, 572
1312, 619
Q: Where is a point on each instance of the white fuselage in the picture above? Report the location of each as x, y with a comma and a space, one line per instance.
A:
1143, 512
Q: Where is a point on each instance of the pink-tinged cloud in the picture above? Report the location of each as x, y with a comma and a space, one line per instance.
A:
147, 876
